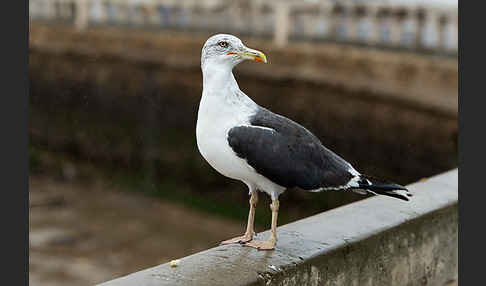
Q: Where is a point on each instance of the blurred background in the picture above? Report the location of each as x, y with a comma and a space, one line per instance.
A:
116, 180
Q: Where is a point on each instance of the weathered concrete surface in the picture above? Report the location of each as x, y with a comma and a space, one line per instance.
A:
377, 241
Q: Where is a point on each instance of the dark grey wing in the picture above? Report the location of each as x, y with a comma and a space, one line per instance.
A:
287, 153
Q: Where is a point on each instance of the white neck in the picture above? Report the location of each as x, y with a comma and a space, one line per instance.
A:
218, 77
221, 94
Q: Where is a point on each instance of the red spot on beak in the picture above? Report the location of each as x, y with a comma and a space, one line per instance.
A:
231, 53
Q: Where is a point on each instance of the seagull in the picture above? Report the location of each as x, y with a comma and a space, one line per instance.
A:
266, 151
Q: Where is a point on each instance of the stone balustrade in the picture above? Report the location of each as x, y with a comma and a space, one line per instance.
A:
404, 24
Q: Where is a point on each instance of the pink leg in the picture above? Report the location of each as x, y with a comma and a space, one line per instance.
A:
269, 244
248, 236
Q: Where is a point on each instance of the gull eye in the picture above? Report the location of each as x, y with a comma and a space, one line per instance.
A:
223, 44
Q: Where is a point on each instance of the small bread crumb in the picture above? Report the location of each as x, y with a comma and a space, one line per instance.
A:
175, 263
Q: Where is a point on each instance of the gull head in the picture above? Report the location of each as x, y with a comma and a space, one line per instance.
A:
228, 50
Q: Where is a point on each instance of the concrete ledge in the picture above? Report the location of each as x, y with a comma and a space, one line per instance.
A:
376, 241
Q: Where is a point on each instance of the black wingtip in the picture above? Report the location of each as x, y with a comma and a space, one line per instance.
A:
395, 195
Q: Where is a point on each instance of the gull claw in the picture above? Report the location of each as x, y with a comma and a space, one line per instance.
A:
240, 239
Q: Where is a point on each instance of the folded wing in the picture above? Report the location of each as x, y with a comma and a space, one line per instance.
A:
288, 154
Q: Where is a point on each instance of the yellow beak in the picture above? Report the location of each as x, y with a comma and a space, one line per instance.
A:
251, 54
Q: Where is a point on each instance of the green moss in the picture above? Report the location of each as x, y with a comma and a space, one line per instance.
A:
143, 181
177, 192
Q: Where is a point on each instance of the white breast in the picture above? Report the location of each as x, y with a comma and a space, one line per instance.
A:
215, 118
